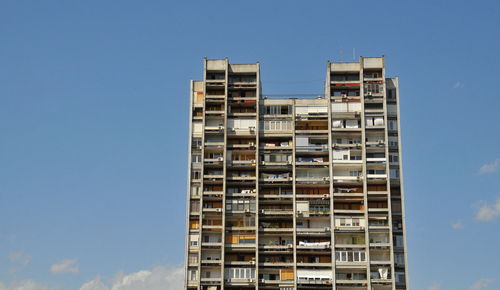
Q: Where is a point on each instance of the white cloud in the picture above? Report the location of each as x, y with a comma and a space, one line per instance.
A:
158, 278
65, 266
488, 212
434, 286
95, 284
490, 168
458, 84
25, 285
458, 225
481, 283
20, 258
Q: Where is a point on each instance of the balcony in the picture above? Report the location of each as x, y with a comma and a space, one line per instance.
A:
311, 127
380, 274
276, 227
348, 191
244, 176
311, 161
283, 145
379, 240
241, 144
313, 191
312, 175
243, 162
314, 244
312, 148
311, 113
343, 178
348, 207
240, 259
349, 258
346, 125
350, 240
314, 260
210, 224
240, 192
377, 206
276, 210
244, 240
274, 242
275, 178
276, 261
306, 227
377, 257
349, 223
351, 278
243, 112
314, 277
276, 277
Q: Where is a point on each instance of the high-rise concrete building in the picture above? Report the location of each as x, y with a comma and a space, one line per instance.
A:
295, 193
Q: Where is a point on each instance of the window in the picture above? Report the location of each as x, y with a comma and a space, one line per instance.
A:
391, 93
193, 258
277, 110
354, 173
196, 174
399, 258
374, 88
393, 125
400, 277
192, 275
393, 157
393, 141
348, 256
276, 125
196, 158
358, 256
195, 190
240, 273
394, 173
398, 241
197, 127
193, 240
196, 143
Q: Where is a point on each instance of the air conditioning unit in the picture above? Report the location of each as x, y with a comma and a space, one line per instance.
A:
219, 209
370, 93
325, 195
233, 129
289, 246
251, 144
221, 127
220, 158
327, 229
325, 178
247, 210
254, 190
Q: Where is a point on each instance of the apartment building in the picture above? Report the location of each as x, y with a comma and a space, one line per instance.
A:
295, 193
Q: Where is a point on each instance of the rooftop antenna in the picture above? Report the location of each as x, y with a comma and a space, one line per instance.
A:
353, 54
341, 55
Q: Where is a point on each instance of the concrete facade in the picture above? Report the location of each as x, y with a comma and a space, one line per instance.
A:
295, 193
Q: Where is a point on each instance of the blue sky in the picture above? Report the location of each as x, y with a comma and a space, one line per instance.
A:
94, 118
